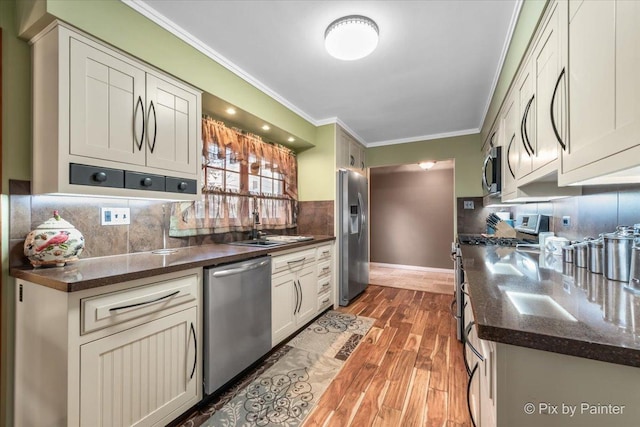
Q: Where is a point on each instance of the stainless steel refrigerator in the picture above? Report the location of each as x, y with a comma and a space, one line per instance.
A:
353, 235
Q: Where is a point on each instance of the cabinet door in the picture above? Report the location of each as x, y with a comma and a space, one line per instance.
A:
343, 149
107, 106
172, 126
354, 155
511, 146
138, 376
308, 286
604, 89
526, 120
284, 302
549, 59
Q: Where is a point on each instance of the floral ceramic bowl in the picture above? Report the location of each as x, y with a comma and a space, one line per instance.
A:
54, 242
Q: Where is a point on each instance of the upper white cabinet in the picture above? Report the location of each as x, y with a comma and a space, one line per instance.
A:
548, 66
604, 93
510, 146
350, 153
111, 124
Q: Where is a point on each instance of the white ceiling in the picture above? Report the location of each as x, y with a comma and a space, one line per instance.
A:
432, 74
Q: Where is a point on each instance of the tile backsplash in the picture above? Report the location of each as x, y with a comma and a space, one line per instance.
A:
598, 210
149, 228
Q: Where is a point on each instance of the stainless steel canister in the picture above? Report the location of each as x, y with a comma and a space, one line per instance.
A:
595, 250
634, 272
580, 254
567, 254
617, 253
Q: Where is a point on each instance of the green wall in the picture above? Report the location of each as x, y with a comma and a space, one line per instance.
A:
317, 167
530, 15
464, 149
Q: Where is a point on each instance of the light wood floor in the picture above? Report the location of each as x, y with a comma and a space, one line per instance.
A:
408, 371
417, 280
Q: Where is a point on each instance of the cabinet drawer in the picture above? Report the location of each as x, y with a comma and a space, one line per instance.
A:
110, 309
324, 285
179, 185
295, 261
143, 181
324, 268
323, 252
324, 301
95, 176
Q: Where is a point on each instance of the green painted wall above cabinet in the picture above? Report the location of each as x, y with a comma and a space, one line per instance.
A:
463, 149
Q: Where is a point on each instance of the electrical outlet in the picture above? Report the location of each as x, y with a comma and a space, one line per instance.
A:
468, 204
115, 216
566, 221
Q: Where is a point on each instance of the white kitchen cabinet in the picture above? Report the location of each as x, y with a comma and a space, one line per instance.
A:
302, 283
139, 375
350, 153
525, 100
604, 93
117, 355
511, 147
549, 68
108, 124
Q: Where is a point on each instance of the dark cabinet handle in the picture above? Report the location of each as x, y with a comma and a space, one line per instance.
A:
122, 307
524, 125
139, 104
522, 133
295, 286
508, 161
183, 186
152, 146
300, 303
467, 342
553, 119
352, 161
147, 182
362, 165
491, 139
100, 176
453, 314
471, 375
195, 351
465, 360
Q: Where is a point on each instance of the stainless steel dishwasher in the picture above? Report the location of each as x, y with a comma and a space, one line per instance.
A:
237, 319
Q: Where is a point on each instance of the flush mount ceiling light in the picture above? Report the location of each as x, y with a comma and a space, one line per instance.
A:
231, 111
351, 37
265, 127
426, 165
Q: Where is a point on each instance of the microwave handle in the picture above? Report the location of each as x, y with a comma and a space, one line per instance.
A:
485, 182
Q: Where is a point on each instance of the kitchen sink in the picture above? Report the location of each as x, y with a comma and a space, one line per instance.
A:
260, 243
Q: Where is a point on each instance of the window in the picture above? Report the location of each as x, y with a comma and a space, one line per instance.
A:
239, 171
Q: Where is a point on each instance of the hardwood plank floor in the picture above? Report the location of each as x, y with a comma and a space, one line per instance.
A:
408, 371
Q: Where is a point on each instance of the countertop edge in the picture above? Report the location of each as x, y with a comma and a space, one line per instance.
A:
39, 275
559, 345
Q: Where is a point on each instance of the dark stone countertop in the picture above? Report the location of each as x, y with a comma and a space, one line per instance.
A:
94, 272
537, 301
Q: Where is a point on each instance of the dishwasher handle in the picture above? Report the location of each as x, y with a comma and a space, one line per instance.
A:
242, 269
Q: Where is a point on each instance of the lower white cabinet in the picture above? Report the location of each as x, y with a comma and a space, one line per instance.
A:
118, 355
301, 287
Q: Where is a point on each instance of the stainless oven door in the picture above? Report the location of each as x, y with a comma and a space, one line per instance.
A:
491, 172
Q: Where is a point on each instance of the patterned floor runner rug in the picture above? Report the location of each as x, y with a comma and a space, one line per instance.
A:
283, 390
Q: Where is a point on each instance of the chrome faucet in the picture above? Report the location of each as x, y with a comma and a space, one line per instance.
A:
255, 216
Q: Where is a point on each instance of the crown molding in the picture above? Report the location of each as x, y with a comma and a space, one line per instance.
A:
424, 138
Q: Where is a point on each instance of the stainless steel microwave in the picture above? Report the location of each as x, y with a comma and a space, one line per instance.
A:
492, 172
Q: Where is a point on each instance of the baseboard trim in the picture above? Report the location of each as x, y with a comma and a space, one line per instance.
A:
412, 267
